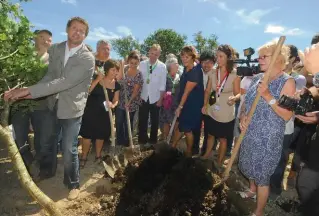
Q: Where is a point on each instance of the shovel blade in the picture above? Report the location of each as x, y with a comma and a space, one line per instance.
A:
109, 168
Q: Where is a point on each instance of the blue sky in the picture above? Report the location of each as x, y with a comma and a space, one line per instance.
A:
241, 23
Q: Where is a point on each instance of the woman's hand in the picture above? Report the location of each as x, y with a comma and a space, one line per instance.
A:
204, 110
263, 89
231, 100
127, 106
243, 123
178, 111
110, 105
100, 76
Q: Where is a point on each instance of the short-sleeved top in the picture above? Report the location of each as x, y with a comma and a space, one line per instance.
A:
226, 113
127, 85
195, 75
191, 115
244, 84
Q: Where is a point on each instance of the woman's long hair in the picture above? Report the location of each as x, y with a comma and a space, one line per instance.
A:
230, 53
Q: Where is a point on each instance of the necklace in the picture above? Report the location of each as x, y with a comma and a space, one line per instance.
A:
174, 81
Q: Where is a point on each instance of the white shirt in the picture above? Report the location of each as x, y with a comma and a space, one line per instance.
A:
205, 78
244, 84
301, 82
157, 84
70, 52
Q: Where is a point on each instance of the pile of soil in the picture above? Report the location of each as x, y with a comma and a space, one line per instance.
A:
165, 183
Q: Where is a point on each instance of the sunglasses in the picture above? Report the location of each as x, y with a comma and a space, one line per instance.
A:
151, 69
263, 57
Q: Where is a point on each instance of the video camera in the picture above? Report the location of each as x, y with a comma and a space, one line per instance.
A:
248, 70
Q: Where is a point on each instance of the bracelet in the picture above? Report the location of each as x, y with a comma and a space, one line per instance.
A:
315, 80
180, 106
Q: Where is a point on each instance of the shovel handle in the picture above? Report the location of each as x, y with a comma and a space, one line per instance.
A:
169, 137
110, 115
128, 121
253, 107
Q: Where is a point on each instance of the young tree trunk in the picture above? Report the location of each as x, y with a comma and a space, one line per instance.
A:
21, 170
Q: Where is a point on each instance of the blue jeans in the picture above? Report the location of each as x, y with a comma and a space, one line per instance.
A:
277, 177
121, 126
21, 125
70, 131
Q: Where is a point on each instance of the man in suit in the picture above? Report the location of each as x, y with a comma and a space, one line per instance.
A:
71, 66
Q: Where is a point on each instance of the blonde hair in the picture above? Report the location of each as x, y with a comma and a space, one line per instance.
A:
269, 48
156, 47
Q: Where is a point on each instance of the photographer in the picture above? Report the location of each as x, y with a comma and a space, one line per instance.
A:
308, 179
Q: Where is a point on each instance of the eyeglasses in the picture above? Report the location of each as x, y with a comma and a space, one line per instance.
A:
151, 69
263, 57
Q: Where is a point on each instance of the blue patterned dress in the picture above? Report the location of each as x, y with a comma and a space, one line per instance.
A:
261, 148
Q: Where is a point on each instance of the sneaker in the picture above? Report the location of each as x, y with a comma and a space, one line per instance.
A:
74, 193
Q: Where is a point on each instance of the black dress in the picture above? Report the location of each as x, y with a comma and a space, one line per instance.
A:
96, 120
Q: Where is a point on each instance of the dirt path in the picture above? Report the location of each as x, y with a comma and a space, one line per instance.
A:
15, 200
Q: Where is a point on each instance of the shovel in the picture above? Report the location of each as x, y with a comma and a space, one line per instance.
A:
112, 163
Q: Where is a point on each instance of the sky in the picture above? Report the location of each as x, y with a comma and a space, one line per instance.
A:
240, 23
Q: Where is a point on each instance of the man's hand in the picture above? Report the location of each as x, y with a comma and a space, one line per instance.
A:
17, 94
309, 118
311, 59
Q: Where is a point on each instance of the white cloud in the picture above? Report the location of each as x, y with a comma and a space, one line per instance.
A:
101, 34
73, 2
282, 30
216, 20
124, 30
254, 16
221, 4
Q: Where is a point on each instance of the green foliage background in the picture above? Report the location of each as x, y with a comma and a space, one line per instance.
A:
19, 64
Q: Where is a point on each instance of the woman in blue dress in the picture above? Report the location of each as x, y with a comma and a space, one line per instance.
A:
261, 148
191, 99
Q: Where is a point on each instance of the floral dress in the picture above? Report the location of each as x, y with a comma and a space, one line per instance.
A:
261, 148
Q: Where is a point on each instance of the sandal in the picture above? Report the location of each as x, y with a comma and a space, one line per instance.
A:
83, 162
245, 194
98, 160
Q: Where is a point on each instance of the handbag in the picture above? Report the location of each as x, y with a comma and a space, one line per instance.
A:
168, 100
212, 98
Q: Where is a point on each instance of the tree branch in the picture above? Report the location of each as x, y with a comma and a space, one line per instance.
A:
8, 56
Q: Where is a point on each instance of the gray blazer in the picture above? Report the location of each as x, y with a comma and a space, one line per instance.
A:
67, 86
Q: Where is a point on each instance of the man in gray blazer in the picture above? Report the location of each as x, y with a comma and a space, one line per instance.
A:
71, 66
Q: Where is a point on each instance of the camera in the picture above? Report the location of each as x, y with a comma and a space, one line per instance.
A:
248, 70
299, 107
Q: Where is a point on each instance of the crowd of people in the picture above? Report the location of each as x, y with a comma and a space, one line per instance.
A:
81, 87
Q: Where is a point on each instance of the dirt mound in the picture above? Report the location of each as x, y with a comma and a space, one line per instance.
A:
167, 183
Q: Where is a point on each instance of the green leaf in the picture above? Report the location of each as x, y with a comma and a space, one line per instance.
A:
3, 37
22, 49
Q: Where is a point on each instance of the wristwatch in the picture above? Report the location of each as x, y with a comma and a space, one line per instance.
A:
272, 101
315, 80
